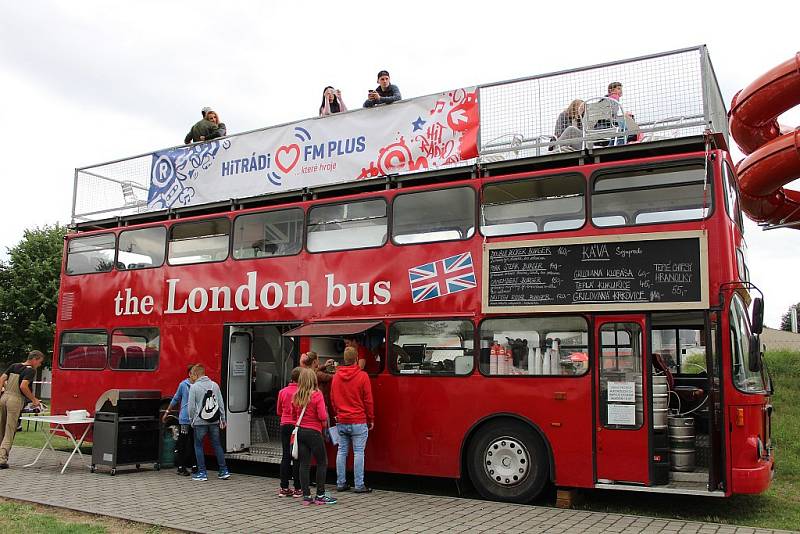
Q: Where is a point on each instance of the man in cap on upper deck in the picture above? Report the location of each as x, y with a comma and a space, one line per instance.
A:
385, 93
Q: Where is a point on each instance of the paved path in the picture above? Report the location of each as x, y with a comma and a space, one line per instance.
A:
247, 504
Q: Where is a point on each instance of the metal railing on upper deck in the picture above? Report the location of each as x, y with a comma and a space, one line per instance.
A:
668, 95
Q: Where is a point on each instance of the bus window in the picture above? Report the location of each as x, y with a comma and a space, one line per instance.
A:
83, 350
262, 235
741, 264
431, 347
427, 216
646, 196
535, 346
140, 249
199, 242
620, 365
682, 349
536, 205
744, 379
134, 349
731, 195
94, 254
347, 226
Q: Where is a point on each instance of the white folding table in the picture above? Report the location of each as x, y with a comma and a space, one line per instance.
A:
57, 424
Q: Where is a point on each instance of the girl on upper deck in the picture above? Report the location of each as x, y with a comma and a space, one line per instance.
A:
331, 102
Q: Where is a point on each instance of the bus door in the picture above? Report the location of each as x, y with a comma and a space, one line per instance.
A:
621, 385
237, 388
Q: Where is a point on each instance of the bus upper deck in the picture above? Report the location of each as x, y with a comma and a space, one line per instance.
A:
671, 99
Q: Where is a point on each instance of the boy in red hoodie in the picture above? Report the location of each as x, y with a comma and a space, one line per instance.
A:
287, 426
351, 397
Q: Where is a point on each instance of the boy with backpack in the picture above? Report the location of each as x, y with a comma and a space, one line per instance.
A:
207, 416
288, 421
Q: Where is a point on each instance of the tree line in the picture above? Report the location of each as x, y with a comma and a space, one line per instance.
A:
29, 280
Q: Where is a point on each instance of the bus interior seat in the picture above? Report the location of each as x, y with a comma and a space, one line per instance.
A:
117, 356
134, 357
150, 358
95, 357
74, 358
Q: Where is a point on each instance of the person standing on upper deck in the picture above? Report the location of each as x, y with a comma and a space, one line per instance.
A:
331, 102
385, 93
207, 128
16, 384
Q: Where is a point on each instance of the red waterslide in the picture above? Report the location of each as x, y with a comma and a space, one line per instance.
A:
773, 156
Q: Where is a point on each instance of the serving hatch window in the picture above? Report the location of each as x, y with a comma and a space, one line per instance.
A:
351, 225
199, 242
270, 234
535, 346
427, 216
140, 249
83, 350
431, 347
646, 196
134, 349
536, 205
93, 254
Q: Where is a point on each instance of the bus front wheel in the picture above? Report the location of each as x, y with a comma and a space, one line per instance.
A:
507, 462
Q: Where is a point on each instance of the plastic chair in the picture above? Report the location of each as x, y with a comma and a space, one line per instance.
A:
601, 122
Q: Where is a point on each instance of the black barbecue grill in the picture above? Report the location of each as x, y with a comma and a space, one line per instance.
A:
126, 429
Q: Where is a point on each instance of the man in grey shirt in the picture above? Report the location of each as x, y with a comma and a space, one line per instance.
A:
385, 93
207, 416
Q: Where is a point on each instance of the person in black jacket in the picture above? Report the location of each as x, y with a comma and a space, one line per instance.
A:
385, 93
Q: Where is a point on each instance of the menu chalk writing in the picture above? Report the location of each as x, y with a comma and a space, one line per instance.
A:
613, 272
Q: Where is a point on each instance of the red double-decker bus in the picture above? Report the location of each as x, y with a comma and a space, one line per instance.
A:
576, 317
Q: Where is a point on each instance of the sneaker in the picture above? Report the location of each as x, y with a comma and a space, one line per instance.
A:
224, 474
343, 488
286, 492
297, 493
308, 500
362, 489
324, 499
182, 471
3, 466
202, 476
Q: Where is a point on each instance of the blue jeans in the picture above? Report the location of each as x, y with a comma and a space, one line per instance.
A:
200, 432
357, 435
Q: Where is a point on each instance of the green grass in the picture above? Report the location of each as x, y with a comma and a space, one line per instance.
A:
15, 517
778, 507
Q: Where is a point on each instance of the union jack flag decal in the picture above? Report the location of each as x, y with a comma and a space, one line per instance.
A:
442, 277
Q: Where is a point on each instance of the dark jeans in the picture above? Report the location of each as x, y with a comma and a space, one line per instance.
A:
185, 447
310, 443
200, 432
287, 462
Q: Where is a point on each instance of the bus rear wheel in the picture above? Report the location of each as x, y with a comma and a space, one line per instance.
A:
507, 462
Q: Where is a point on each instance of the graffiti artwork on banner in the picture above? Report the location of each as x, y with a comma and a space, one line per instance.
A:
447, 135
410, 135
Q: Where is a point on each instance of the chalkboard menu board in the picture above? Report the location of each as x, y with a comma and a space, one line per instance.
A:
626, 272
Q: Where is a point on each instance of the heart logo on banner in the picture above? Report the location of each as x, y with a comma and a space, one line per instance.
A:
286, 157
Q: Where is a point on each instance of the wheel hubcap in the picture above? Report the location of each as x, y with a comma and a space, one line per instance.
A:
506, 461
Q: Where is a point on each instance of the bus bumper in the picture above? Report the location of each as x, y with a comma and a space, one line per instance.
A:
752, 480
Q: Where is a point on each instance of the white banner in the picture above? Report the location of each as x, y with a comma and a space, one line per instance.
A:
410, 135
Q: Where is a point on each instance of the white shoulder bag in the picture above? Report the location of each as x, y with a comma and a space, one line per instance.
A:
293, 438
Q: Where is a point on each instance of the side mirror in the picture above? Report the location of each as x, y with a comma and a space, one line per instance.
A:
757, 324
754, 360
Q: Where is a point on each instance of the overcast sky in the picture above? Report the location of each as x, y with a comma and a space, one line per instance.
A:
90, 81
